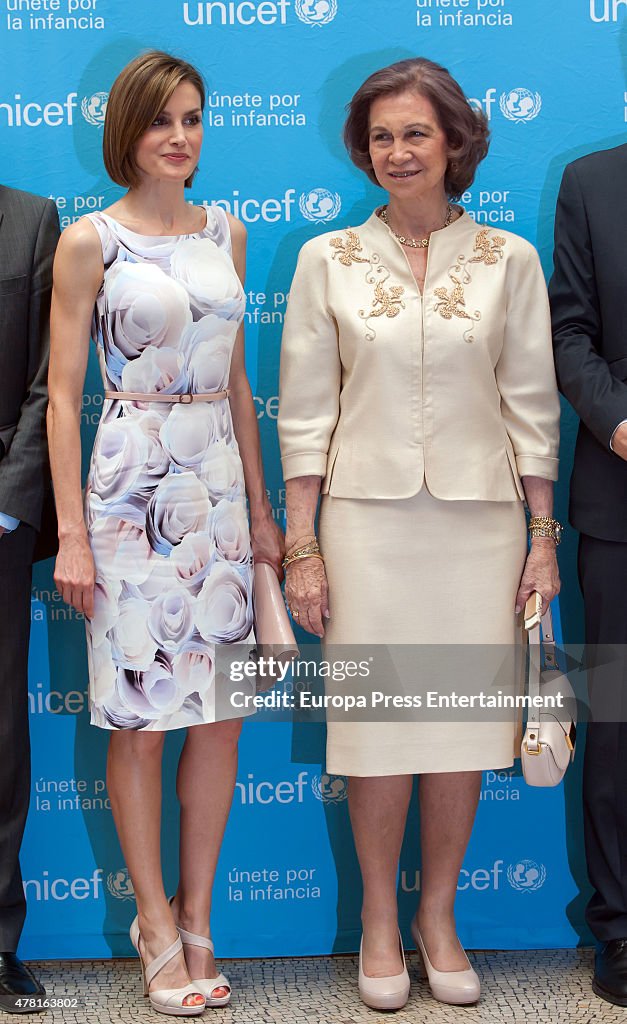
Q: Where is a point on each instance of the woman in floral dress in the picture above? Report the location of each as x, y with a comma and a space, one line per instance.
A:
160, 559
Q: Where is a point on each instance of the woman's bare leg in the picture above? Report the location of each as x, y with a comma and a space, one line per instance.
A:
448, 804
378, 810
134, 785
205, 783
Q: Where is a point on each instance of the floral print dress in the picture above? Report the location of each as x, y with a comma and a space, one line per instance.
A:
165, 502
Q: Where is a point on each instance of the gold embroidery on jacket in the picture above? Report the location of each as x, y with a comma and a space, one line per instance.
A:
453, 305
346, 249
489, 250
387, 301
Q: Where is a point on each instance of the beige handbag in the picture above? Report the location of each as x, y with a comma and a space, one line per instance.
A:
273, 629
548, 745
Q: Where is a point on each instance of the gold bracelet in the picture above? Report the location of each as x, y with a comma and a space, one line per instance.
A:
297, 558
545, 526
311, 545
307, 551
312, 548
307, 538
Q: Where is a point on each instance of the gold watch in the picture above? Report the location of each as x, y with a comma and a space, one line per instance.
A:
545, 526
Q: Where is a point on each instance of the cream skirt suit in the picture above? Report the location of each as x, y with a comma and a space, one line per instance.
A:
421, 413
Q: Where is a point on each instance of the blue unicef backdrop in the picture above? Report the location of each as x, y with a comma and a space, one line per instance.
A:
551, 79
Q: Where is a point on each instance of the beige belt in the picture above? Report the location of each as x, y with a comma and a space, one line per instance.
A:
186, 399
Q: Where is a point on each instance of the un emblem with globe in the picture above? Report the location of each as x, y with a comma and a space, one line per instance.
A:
320, 205
316, 12
119, 885
330, 789
520, 104
526, 875
94, 108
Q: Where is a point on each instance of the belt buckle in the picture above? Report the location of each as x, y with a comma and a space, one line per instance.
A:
185, 399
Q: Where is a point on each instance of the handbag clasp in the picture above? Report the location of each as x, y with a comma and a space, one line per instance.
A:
535, 753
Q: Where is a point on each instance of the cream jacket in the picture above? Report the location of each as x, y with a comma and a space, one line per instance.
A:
383, 390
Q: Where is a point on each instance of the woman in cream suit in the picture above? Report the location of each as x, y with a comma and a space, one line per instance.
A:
418, 396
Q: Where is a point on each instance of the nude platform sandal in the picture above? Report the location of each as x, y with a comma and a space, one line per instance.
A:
166, 1000
207, 985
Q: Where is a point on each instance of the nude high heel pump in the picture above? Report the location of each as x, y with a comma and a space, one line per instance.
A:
165, 1000
389, 993
456, 987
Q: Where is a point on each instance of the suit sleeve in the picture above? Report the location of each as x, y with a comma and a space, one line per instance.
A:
598, 398
525, 372
311, 372
24, 469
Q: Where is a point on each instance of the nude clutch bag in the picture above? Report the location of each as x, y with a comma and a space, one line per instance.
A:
273, 629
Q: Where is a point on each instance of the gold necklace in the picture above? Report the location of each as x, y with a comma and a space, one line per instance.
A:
415, 243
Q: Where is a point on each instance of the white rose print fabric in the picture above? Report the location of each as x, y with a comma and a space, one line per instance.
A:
165, 502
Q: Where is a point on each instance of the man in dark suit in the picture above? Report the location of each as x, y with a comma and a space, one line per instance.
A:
589, 307
29, 231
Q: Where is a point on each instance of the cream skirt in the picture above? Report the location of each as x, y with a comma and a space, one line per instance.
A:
422, 571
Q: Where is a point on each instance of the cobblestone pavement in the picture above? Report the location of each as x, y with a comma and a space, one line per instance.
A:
549, 985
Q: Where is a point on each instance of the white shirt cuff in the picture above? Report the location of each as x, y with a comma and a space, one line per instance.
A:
10, 523
614, 434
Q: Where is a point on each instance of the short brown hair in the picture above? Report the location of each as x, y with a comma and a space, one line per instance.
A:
466, 129
137, 97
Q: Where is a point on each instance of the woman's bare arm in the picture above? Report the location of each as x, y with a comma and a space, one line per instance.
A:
266, 537
78, 271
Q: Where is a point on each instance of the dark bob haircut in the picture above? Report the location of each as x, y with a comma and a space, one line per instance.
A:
466, 129
137, 97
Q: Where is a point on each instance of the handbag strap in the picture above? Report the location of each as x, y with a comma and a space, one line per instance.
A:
548, 639
540, 636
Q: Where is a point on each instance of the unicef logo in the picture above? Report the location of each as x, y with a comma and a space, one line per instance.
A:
119, 885
526, 875
316, 12
320, 205
330, 789
94, 108
520, 105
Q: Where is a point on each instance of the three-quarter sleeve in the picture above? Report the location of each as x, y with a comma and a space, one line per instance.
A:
310, 377
525, 372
